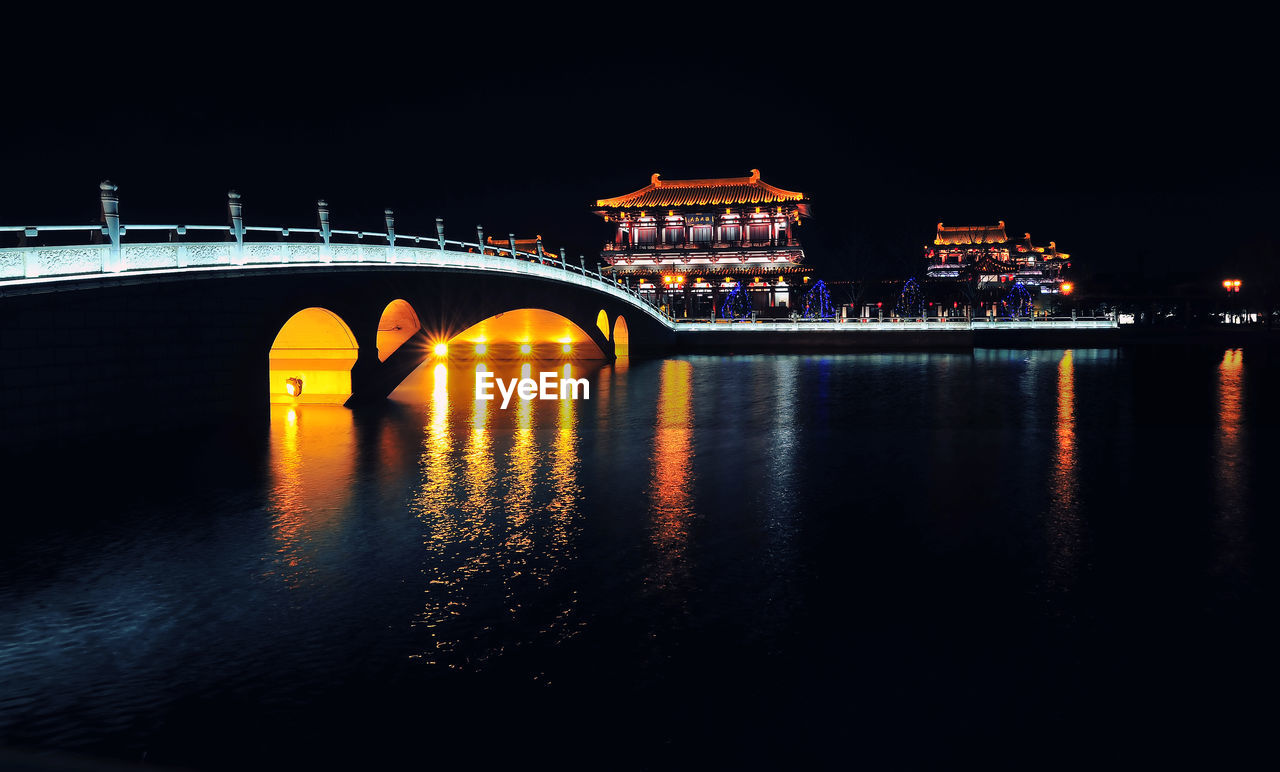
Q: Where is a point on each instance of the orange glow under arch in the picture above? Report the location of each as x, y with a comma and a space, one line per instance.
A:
621, 338
399, 323
602, 323
545, 333
318, 348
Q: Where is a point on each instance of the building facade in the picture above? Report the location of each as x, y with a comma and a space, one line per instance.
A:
984, 256
687, 244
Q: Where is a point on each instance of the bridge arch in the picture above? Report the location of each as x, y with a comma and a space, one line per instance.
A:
311, 359
621, 337
399, 323
602, 323
525, 333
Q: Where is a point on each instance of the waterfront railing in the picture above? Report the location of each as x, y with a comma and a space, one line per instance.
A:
901, 324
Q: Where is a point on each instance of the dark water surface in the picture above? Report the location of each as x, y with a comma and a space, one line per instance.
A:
1025, 557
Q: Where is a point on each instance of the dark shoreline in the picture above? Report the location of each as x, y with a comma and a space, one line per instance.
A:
767, 342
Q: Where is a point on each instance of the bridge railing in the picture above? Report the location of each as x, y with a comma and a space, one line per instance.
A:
99, 250
902, 324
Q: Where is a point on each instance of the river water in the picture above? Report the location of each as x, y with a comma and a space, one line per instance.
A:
1034, 556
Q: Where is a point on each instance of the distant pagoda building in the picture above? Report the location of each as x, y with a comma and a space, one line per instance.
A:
985, 255
686, 243
534, 246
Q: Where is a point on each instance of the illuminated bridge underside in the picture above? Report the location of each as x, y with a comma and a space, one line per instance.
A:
528, 333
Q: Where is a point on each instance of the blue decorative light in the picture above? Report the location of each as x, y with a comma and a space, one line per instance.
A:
1018, 302
817, 302
736, 304
910, 300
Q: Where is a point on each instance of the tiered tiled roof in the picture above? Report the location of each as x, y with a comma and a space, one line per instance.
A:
661, 193
970, 234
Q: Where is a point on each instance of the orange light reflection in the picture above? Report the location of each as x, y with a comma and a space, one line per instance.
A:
312, 464
1231, 478
671, 493
1064, 517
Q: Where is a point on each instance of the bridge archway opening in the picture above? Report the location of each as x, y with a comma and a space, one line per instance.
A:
602, 323
621, 338
524, 333
311, 359
399, 323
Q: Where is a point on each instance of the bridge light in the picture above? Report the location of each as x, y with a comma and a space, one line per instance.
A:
481, 349
293, 386
566, 348
525, 348
1068, 288
441, 349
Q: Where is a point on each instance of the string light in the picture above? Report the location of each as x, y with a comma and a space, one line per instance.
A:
1018, 302
736, 304
910, 300
817, 302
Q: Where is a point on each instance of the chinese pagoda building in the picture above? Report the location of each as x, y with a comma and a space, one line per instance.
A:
984, 254
687, 243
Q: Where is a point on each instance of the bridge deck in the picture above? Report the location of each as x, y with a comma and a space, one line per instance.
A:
40, 268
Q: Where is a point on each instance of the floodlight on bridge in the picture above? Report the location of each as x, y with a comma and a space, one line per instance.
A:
441, 349
293, 387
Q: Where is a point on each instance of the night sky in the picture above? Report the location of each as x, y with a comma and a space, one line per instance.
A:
1138, 149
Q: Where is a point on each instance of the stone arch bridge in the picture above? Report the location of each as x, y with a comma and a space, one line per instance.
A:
177, 325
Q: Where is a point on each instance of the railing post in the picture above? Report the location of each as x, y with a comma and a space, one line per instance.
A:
480, 239
582, 265
322, 207
511, 239
440, 232
540, 253
31, 264
391, 234
562, 267
111, 216
237, 226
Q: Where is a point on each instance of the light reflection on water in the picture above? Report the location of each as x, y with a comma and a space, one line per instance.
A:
313, 466
673, 481
1231, 478
762, 498
1064, 516
499, 503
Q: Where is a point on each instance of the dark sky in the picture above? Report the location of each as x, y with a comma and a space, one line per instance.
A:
1134, 147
